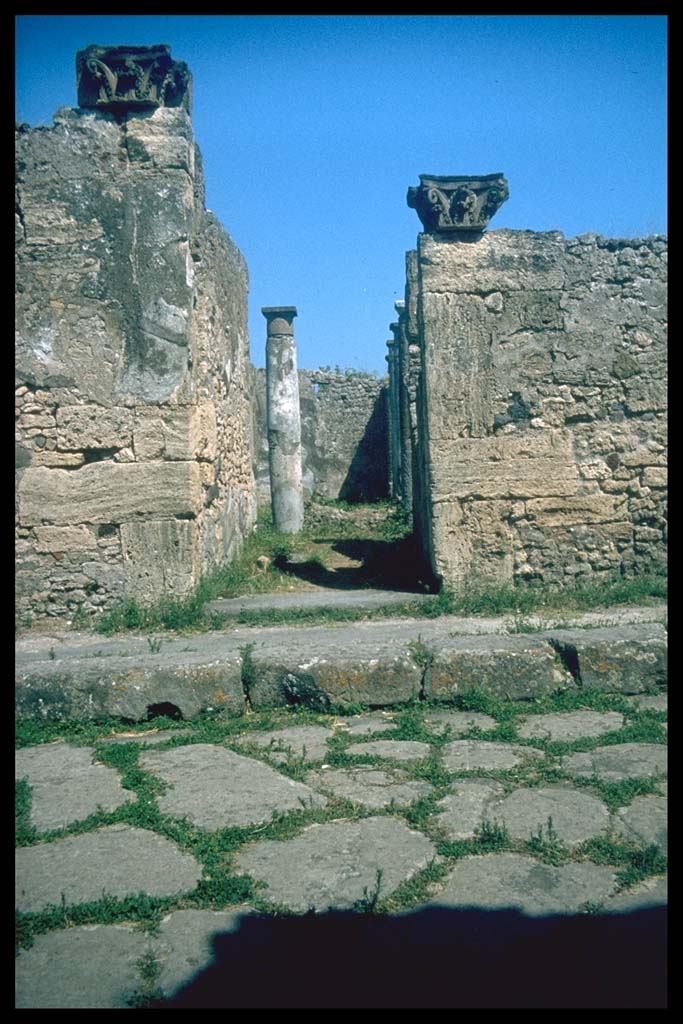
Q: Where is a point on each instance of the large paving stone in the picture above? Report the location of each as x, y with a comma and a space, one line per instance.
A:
569, 725
66, 785
510, 667
617, 659
366, 725
94, 967
337, 865
458, 722
621, 761
497, 880
369, 786
650, 701
301, 741
116, 860
576, 815
467, 806
478, 755
184, 945
398, 750
645, 821
216, 788
651, 892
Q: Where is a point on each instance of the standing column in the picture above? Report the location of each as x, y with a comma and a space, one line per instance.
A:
284, 420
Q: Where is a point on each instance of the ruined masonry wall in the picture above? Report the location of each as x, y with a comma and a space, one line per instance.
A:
133, 437
344, 436
542, 405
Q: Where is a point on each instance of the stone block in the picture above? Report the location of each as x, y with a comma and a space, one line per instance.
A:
160, 557
53, 539
499, 261
104, 492
93, 426
620, 659
655, 476
350, 677
513, 466
575, 510
508, 667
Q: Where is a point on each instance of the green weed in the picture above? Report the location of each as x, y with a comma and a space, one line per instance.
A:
492, 836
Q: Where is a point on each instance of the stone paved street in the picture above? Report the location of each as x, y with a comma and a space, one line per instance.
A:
208, 829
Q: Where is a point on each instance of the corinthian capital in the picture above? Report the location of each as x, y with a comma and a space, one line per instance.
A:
457, 202
131, 77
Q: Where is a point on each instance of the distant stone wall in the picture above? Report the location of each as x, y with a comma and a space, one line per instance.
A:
133, 438
541, 405
344, 436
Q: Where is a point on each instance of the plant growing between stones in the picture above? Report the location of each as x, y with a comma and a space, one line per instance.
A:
547, 846
492, 835
154, 644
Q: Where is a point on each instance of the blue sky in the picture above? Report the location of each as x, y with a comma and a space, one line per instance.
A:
312, 128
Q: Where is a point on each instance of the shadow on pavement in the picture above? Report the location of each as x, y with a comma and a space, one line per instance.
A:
436, 958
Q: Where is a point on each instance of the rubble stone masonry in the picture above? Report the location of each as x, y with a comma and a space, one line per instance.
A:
133, 436
541, 405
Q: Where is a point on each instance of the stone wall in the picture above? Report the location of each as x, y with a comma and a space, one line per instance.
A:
133, 434
344, 436
541, 405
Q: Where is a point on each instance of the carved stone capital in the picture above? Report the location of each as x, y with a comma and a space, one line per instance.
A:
131, 77
457, 202
279, 319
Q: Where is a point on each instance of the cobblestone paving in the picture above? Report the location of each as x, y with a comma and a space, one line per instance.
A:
201, 828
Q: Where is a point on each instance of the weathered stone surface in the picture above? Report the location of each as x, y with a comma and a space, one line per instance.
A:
338, 864
216, 788
369, 786
569, 725
569, 814
160, 557
398, 750
108, 492
622, 761
66, 785
497, 880
458, 722
652, 702
184, 946
125, 685
332, 668
51, 539
513, 667
300, 741
92, 426
540, 356
478, 755
92, 967
624, 659
467, 807
116, 860
645, 820
132, 334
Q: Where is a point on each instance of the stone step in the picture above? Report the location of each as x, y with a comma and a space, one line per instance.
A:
381, 663
319, 600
